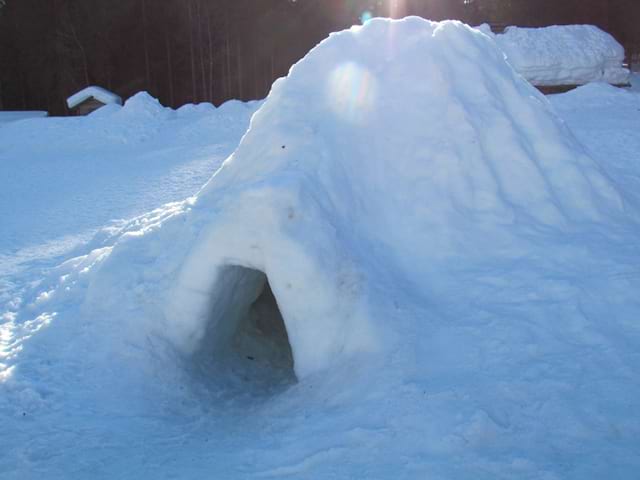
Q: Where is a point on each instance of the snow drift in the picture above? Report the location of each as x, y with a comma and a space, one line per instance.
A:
432, 239
563, 54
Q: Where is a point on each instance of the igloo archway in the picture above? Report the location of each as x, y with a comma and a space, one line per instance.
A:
245, 332
256, 263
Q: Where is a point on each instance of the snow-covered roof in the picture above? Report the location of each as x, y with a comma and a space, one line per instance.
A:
99, 93
563, 54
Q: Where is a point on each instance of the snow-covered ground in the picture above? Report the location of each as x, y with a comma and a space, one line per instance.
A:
606, 119
455, 264
9, 116
65, 178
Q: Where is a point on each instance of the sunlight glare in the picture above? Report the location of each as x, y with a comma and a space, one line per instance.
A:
352, 91
397, 8
6, 338
11, 343
366, 16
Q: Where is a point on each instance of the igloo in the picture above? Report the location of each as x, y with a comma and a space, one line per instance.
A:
392, 151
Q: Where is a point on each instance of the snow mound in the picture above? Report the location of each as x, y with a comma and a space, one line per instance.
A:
199, 109
231, 107
597, 93
564, 54
463, 163
144, 106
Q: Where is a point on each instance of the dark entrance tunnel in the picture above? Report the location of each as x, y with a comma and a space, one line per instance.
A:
246, 341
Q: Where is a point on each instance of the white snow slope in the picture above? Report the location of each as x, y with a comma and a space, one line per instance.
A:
457, 275
563, 54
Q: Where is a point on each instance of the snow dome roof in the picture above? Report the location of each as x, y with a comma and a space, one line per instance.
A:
99, 93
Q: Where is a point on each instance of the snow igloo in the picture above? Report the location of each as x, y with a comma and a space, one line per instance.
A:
393, 151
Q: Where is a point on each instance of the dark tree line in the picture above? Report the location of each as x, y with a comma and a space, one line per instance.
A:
213, 50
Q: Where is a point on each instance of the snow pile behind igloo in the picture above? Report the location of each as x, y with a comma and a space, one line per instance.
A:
563, 54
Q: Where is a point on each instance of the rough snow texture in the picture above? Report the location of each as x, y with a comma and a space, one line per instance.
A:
99, 93
563, 54
454, 271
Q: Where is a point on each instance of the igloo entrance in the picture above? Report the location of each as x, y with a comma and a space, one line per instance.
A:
246, 334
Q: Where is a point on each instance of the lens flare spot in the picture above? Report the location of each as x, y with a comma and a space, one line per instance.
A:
352, 92
366, 16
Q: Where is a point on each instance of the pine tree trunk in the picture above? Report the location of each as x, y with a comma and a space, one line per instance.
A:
201, 46
239, 65
194, 92
210, 56
169, 69
228, 57
146, 46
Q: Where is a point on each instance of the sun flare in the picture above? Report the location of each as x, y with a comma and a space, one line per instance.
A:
352, 90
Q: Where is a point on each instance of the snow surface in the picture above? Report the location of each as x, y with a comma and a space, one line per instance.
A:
608, 115
99, 93
66, 178
563, 54
11, 116
454, 269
